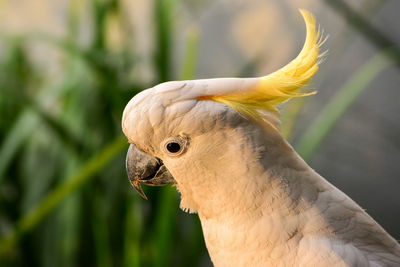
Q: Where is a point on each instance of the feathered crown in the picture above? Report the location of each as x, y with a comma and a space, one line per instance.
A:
281, 85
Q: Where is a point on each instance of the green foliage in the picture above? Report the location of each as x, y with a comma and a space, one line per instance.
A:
65, 199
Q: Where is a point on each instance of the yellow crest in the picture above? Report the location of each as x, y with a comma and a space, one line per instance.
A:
282, 84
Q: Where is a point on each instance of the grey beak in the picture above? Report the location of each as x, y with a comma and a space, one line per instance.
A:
145, 169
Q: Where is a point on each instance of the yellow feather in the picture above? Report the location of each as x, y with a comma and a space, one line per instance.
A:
282, 84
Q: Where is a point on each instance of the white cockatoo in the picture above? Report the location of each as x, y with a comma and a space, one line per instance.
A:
259, 203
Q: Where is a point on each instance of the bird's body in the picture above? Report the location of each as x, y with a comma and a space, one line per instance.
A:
259, 203
284, 214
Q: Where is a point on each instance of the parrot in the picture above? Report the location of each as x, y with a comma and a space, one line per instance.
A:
259, 203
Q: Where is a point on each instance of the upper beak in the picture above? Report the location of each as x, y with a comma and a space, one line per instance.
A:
143, 168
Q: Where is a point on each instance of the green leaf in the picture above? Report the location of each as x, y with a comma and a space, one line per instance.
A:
164, 12
50, 202
190, 58
133, 228
17, 135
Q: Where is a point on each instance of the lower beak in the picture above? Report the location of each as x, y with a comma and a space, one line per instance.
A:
145, 169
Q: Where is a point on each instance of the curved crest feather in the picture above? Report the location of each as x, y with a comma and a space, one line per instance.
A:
283, 84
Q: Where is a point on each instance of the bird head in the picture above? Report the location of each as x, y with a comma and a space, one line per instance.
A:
190, 133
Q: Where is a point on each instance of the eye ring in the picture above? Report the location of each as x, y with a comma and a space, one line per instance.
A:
175, 146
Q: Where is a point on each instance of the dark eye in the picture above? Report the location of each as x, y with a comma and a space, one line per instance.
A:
173, 147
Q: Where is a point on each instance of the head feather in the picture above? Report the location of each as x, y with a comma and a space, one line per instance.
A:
283, 84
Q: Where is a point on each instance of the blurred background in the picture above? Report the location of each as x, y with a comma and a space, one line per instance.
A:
68, 68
